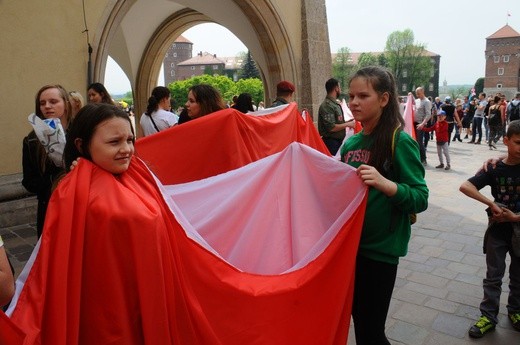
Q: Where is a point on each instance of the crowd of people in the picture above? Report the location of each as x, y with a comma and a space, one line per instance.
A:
387, 159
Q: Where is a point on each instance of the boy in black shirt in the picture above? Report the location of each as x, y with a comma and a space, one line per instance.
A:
502, 235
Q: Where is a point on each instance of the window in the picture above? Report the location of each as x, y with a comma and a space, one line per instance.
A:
496, 59
172, 73
505, 58
405, 73
172, 65
403, 88
431, 87
202, 67
166, 55
174, 45
499, 86
174, 54
500, 71
193, 68
215, 66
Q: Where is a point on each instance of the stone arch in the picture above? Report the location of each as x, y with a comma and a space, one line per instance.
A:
271, 46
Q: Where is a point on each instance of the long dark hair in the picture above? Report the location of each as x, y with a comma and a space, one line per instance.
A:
101, 89
382, 80
208, 98
244, 103
158, 94
84, 126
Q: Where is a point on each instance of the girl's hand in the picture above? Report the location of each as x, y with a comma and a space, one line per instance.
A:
371, 177
74, 163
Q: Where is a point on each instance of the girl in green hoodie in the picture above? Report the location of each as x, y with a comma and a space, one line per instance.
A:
387, 160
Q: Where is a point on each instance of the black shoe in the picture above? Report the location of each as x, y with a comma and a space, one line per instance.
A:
477, 143
515, 320
481, 327
448, 167
440, 166
471, 142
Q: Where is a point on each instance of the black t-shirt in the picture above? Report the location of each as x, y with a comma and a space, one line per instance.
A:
504, 181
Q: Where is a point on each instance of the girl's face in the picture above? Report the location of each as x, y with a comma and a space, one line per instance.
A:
365, 103
52, 104
94, 96
111, 146
192, 106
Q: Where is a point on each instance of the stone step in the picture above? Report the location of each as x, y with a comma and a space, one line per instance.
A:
17, 206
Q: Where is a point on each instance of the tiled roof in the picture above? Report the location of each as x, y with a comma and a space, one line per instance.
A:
505, 32
202, 59
182, 39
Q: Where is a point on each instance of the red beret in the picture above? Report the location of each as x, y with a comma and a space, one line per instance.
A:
285, 86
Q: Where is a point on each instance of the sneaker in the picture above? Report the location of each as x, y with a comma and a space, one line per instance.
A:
448, 167
471, 142
515, 320
481, 327
493, 146
477, 143
440, 166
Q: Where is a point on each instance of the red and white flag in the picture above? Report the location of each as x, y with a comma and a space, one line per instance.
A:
408, 116
238, 238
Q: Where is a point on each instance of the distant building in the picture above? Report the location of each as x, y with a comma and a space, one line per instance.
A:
503, 62
431, 89
181, 50
202, 63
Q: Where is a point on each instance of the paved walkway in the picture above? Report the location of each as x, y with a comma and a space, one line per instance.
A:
439, 285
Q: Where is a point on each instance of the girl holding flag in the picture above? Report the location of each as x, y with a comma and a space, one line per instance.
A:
387, 160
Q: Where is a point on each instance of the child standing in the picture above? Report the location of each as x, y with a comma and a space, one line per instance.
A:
442, 137
396, 189
502, 235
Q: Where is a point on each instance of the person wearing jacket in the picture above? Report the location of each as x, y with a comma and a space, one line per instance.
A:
388, 162
39, 171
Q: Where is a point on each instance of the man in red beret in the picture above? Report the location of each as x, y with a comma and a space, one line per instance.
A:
284, 93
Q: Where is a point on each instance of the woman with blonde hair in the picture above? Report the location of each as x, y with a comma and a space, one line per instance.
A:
76, 102
40, 171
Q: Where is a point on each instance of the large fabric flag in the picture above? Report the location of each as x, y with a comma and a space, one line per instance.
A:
409, 116
262, 253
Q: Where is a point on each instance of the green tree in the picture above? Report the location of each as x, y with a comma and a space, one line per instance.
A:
249, 69
253, 86
342, 66
179, 89
367, 59
479, 86
408, 60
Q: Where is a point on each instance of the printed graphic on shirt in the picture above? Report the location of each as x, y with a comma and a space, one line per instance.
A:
361, 156
508, 192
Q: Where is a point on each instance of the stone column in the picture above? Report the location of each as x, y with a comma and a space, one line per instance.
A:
316, 55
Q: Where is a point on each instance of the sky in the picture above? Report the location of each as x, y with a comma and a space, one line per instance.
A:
452, 29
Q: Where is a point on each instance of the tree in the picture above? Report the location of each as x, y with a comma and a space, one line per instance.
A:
342, 66
367, 59
408, 60
179, 88
253, 86
249, 69
479, 86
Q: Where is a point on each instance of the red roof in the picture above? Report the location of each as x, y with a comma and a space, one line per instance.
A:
504, 32
182, 39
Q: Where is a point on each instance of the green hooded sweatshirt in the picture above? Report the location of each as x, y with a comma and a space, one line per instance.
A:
386, 228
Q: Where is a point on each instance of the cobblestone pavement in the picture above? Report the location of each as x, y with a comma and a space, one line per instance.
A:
439, 284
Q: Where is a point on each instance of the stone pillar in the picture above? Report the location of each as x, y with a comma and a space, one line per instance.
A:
316, 55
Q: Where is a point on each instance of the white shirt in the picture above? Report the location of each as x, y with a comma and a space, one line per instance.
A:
163, 119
